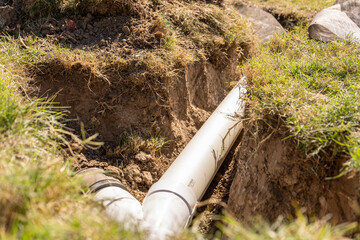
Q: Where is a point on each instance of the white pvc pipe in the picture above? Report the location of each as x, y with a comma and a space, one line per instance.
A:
170, 203
119, 204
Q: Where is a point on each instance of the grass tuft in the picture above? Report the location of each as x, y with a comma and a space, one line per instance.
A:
299, 228
313, 86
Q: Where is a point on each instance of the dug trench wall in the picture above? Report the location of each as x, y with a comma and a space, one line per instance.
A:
274, 178
133, 101
139, 98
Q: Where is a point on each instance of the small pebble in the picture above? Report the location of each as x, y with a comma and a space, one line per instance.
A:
126, 30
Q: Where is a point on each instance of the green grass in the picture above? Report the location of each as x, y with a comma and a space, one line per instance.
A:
313, 86
296, 5
39, 199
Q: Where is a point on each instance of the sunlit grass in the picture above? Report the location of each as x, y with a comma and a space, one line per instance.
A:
313, 86
300, 228
39, 199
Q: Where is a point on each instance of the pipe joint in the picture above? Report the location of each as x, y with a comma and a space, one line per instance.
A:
178, 189
120, 204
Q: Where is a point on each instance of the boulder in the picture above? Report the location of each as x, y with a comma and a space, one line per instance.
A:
337, 22
265, 24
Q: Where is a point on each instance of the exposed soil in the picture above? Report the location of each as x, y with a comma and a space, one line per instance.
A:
125, 95
129, 91
113, 104
274, 179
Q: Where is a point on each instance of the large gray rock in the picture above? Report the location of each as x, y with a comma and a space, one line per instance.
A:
352, 10
337, 22
265, 24
8, 16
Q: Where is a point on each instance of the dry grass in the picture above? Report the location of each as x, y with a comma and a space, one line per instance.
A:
218, 32
300, 228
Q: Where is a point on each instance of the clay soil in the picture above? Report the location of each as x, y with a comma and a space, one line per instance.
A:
274, 178
263, 175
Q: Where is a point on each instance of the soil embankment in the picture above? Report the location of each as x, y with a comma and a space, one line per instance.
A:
151, 78
273, 179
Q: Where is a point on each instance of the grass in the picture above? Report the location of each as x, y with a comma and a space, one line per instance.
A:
300, 228
132, 143
35, 168
313, 87
214, 30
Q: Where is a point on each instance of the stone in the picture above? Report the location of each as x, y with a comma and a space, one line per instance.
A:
143, 157
265, 24
339, 21
126, 30
147, 178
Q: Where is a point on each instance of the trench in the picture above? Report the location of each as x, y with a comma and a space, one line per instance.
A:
142, 132
145, 126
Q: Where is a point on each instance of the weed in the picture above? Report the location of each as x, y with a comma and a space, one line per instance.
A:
131, 143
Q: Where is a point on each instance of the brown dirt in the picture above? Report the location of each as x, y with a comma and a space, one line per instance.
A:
132, 85
133, 91
273, 178
120, 34
115, 103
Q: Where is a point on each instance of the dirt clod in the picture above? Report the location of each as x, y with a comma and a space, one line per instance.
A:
8, 16
148, 179
143, 157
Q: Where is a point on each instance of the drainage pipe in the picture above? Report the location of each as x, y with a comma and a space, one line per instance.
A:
119, 204
171, 202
